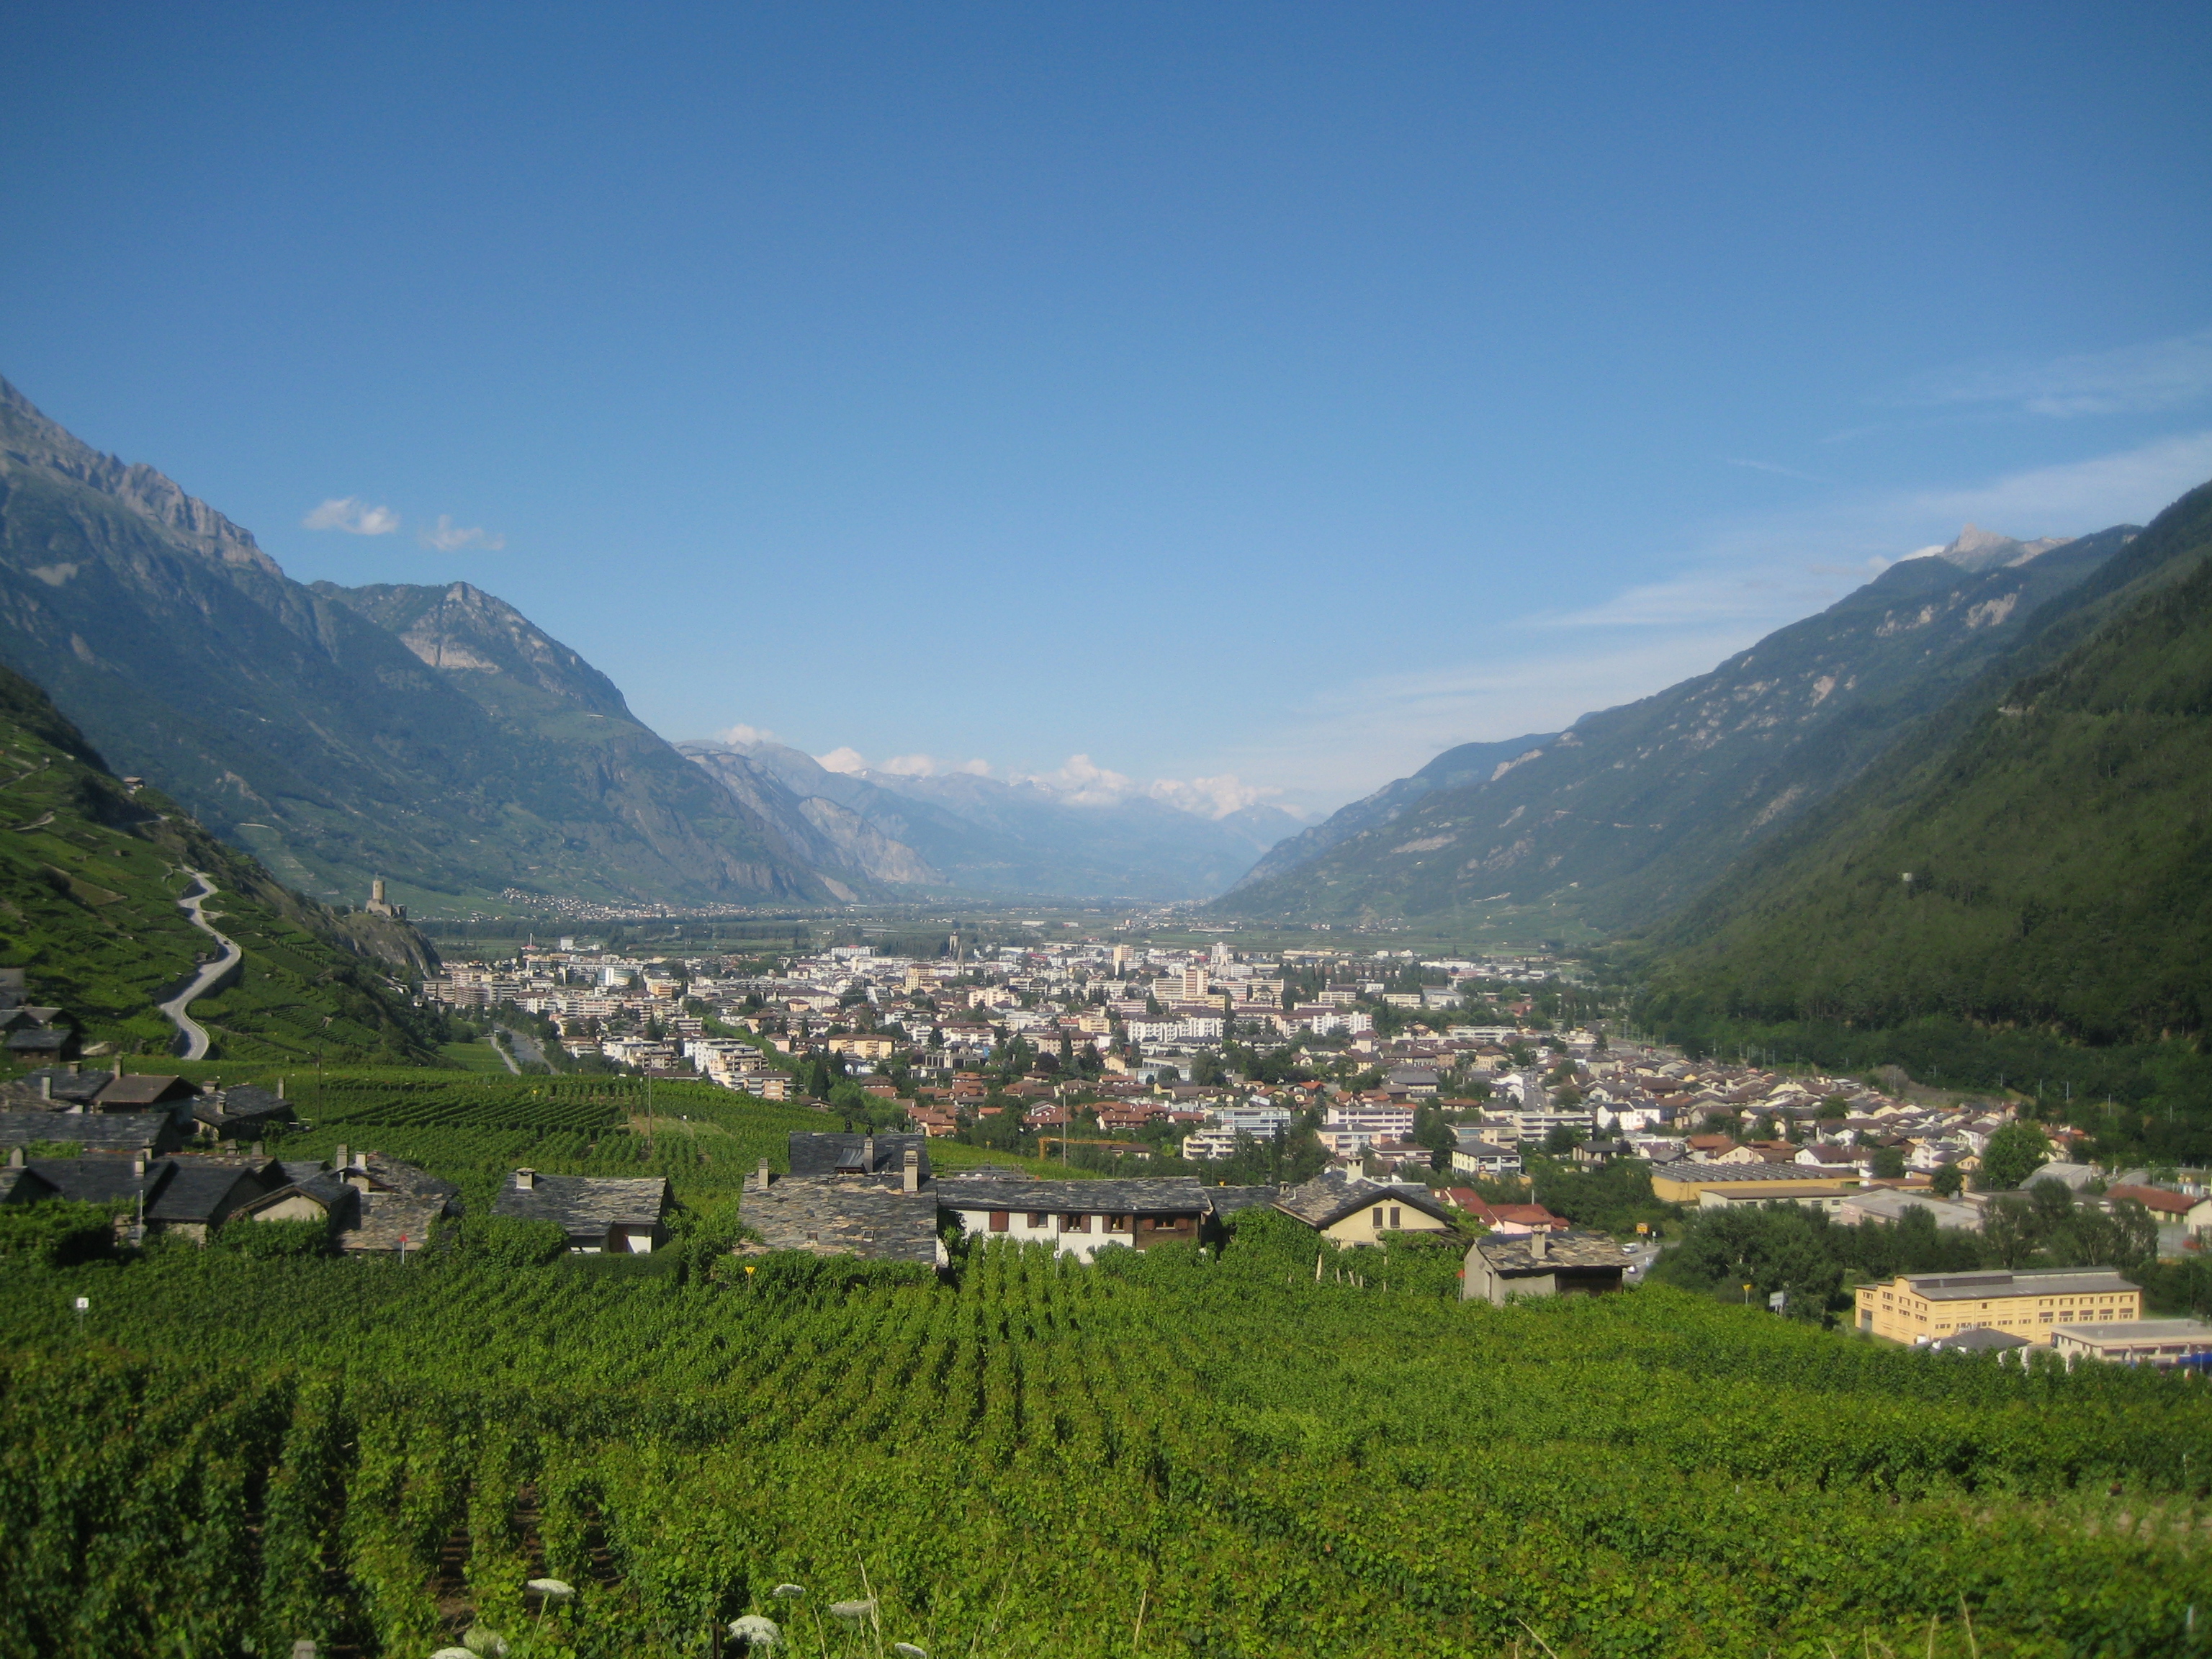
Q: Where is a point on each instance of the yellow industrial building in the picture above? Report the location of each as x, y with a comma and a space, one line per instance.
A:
1926, 1307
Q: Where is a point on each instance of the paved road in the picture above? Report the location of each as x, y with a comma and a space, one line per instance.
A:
195, 1034
522, 1047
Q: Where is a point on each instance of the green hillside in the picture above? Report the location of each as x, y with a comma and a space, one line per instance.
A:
1634, 810
2054, 822
90, 873
1166, 1455
327, 732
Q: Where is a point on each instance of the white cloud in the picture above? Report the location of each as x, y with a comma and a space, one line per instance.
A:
2126, 487
447, 537
2130, 379
353, 515
911, 766
739, 735
1209, 798
1081, 782
842, 760
1769, 466
978, 767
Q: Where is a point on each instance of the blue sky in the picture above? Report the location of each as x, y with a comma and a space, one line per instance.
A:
1270, 395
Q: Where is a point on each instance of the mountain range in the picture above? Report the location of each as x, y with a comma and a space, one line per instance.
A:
434, 735
1636, 810
985, 836
2038, 859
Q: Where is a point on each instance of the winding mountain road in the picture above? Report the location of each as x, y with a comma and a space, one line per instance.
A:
195, 1034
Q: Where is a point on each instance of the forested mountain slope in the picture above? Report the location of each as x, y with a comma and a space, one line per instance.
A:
429, 734
1636, 810
90, 871
2055, 823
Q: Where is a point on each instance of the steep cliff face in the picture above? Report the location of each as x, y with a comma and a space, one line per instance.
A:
309, 725
1634, 810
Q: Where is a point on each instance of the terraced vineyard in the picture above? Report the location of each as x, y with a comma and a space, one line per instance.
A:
1161, 1456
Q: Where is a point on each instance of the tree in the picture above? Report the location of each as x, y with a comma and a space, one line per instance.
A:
1888, 1164
2014, 1152
1948, 1180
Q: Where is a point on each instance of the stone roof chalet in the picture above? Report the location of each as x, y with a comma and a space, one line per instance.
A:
846, 1215
1512, 1255
1322, 1202
1144, 1195
598, 1212
375, 1205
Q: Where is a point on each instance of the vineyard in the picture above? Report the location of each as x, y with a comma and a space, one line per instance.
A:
1165, 1454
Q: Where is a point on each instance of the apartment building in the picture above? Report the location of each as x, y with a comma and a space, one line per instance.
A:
1922, 1307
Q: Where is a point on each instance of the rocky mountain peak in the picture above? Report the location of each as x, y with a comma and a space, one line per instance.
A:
27, 436
1978, 550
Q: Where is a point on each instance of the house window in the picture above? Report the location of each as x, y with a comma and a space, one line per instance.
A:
1117, 1223
1395, 1220
1378, 1217
999, 1220
1075, 1223
1038, 1219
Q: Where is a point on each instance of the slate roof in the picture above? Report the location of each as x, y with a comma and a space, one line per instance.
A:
193, 1193
245, 1100
815, 1154
846, 1217
24, 1186
61, 1084
1145, 1195
383, 1218
95, 1180
586, 1206
139, 1091
1322, 1202
1229, 1201
1513, 1255
108, 1132
336, 1199
1978, 1339
406, 1179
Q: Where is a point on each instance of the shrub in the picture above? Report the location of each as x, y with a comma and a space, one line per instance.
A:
59, 1234
266, 1240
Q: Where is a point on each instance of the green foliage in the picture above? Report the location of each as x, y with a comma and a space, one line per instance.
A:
57, 1233
88, 885
2057, 928
1013, 1460
1785, 1247
507, 1243
1610, 1199
2014, 1153
268, 1241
